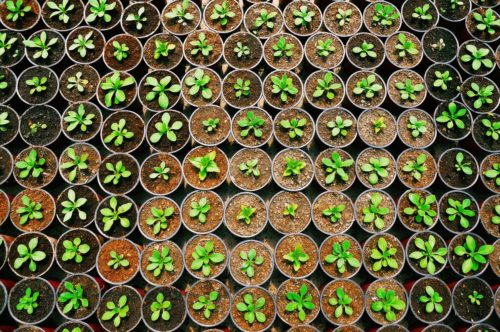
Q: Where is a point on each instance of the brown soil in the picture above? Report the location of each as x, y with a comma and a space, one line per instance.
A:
352, 290
418, 307
214, 216
454, 133
366, 62
29, 19
284, 62
38, 98
159, 186
8, 92
201, 240
174, 56
482, 82
213, 179
218, 134
411, 247
250, 182
273, 99
88, 73
302, 30
324, 62
262, 272
4, 206
134, 53
148, 27
177, 312
320, 171
456, 261
42, 115
454, 226
479, 132
453, 86
12, 127
116, 14
282, 134
165, 278
327, 248
93, 160
409, 60
392, 242
268, 310
89, 259
232, 23
173, 222
370, 297
89, 207
197, 100
124, 185
117, 230
44, 244
288, 224
93, 54
466, 310
181, 29
360, 100
246, 39
349, 28
121, 274
213, 39
494, 257
449, 174
133, 123
404, 133
229, 91
400, 77
91, 292
16, 52
427, 177
164, 144
292, 182
364, 201
250, 140
45, 300
416, 23
377, 28
75, 16
48, 210
323, 102
6, 164
56, 52
287, 245
222, 304
144, 89
409, 221
487, 164
467, 66
471, 25
366, 129
432, 37
325, 133
364, 158
133, 316
486, 214
92, 130
239, 227
292, 285
49, 169
263, 31
324, 223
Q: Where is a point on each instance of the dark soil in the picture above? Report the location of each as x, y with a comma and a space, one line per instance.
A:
392, 242
8, 77
287, 245
479, 133
263, 31
418, 24
293, 285
164, 62
124, 185
117, 230
409, 221
246, 39
321, 174
133, 316
262, 272
283, 134
23, 89
454, 226
325, 223
89, 207
16, 52
432, 37
364, 201
89, 258
166, 277
148, 27
159, 186
400, 77
213, 179
379, 29
164, 144
40, 115
188, 26
130, 92
250, 182
453, 86
201, 240
48, 210
325, 133
427, 177
453, 14
89, 74
239, 227
466, 310
352, 290
268, 309
327, 249
29, 20
360, 100
323, 102
77, 134
364, 158
450, 175
349, 28
482, 82
216, 135
91, 291
472, 24
454, 133
366, 62
494, 257
75, 16
222, 304
423, 140
370, 297
418, 307
486, 214
173, 221
45, 300
134, 54
213, 217
284, 62
251, 140
121, 274
49, 169
6, 164
144, 89
213, 39
302, 30
411, 247
115, 14
456, 261
55, 53
93, 160
177, 311
10, 128
286, 224
92, 54
292, 182
214, 84
366, 128
44, 244
487, 164
232, 23
467, 66
133, 123
324, 62
229, 92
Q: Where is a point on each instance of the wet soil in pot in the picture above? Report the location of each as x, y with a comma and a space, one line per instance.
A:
392, 242
28, 20
246, 39
426, 178
268, 309
74, 16
173, 221
405, 133
163, 62
212, 39
148, 27
366, 129
452, 86
463, 306
124, 184
232, 22
467, 66
165, 144
327, 249
38, 196
145, 89
283, 62
456, 261
488, 163
251, 140
258, 219
352, 290
229, 91
16, 51
450, 175
91, 291
325, 223
89, 74
49, 169
482, 82
133, 316
6, 164
325, 132
45, 299
132, 59
177, 312
117, 230
370, 297
201, 240
165, 277
115, 14
456, 225
433, 51
133, 123
419, 307
452, 11
130, 92
44, 245
287, 245
213, 217
91, 54
121, 274
89, 258
486, 215
250, 181
23, 89
56, 50
292, 182
293, 285
283, 134
378, 28
262, 272
472, 25
9, 78
417, 23
4, 207
89, 207
158, 185
201, 133
286, 223
40, 125
302, 29
93, 162
454, 132
214, 84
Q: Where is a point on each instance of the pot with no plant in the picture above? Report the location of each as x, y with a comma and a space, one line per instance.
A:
118, 261
168, 131
377, 127
486, 132
480, 94
386, 301
84, 45
251, 263
79, 83
375, 168
292, 169
340, 256
458, 168
81, 122
404, 50
205, 168
117, 90
294, 128
120, 309
416, 128
205, 256
9, 124
296, 256
242, 50
406, 88
103, 14
383, 256
118, 174
375, 211
453, 120
159, 218
201, 86
334, 169
468, 254
283, 89
63, 16
45, 48
443, 81
122, 132
366, 89
324, 89
76, 251
252, 127
31, 301
245, 215
116, 216
35, 167
430, 300
140, 19
426, 253
37, 85
324, 50
289, 212
161, 174
159, 90
490, 172
117, 54
459, 211
302, 18
263, 20
6, 164
283, 51
223, 16
343, 18
40, 125
242, 88
253, 309
482, 24
208, 302
163, 51
297, 301
490, 216
76, 206
382, 18
332, 212
342, 302
440, 45
250, 169
31, 255
420, 15
180, 17
20, 15
161, 263
78, 296
202, 211
473, 300
32, 210
365, 51
203, 48
418, 210
79, 163
336, 127
163, 309
416, 168
210, 125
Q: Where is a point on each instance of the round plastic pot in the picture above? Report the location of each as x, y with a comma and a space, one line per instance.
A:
408, 259
49, 297
97, 213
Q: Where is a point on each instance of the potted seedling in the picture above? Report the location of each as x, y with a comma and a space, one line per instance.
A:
251, 263
476, 58
11, 47
250, 169
418, 210
5, 206
103, 14
163, 309
79, 83
302, 18
453, 11
480, 94
293, 169
159, 218
118, 261
430, 300
332, 212
490, 172
296, 256
440, 45
205, 256
485, 132
120, 309
383, 255
416, 168
382, 18
490, 215
324, 50
210, 125
416, 128
375, 168
78, 296
252, 127
342, 302
253, 309
37, 85
62, 15
406, 88
375, 211
297, 301
283, 51
20, 15
294, 128
116, 216
118, 174
468, 254
168, 131
263, 20
377, 127
340, 256
122, 52
163, 51
6, 164
202, 211
336, 127
81, 122
426, 253
205, 167
343, 18
162, 263
159, 90
32, 210
242, 50
73, 326
201, 86
161, 174
35, 167
386, 301
9, 124
76, 251
458, 168
420, 15
289, 212
117, 90
241, 88
453, 120
473, 300
122, 132
45, 48
140, 19
40, 125
31, 255
334, 169
79, 163
443, 81
76, 206
208, 302
365, 50
482, 23
366, 89
324, 89
459, 211
245, 215
7, 84
203, 48
31, 301
223, 16
85, 44
282, 89
180, 17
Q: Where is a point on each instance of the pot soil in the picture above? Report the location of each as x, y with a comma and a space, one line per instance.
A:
172, 25
49, 168
132, 58
427, 177
331, 269
292, 182
122, 274
367, 62
74, 17
411, 247
90, 131
194, 55
9, 78
6, 165
165, 278
88, 259
376, 27
133, 316
23, 23
45, 300
436, 50
367, 129
293, 285
361, 101
385, 271
55, 53
229, 92
213, 218
464, 308
232, 23
177, 311
327, 127
219, 247
172, 58
452, 12
91, 292
133, 123
90, 55
40, 125
16, 52
222, 304
147, 27
261, 272
482, 82
116, 230
419, 308
263, 31
284, 133
327, 222
250, 182
244, 225
287, 223
130, 92
479, 132
89, 207
208, 135
456, 261
287, 245
37, 98
156, 184
453, 133
165, 144
125, 184
214, 85
321, 171
37, 196
87, 73
353, 291
251, 139
418, 24
448, 173
42, 266
324, 102
268, 309
93, 161
213, 179
173, 221
334, 25
370, 297
145, 89
4, 207
11, 128
452, 87
472, 25
302, 29
456, 226
365, 158
401, 77
409, 220
494, 257
423, 140
285, 61
488, 163
245, 61
99, 23
274, 99
487, 214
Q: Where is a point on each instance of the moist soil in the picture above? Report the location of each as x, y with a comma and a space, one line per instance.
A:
378, 28
274, 99
93, 161
333, 59
401, 77
89, 258
38, 97
218, 134
366, 129
133, 57
100, 24
482, 82
327, 249
408, 60
92, 54
173, 222
283, 135
449, 174
246, 61
349, 28
4, 207
48, 210
411, 247
323, 102
89, 207
159, 186
166, 277
133, 123
288, 224
49, 169
302, 30
214, 84
293, 285
325, 133
456, 261
133, 316
164, 62
263, 31
16, 52
201, 240
88, 73
258, 219
366, 62
40, 115
471, 25
370, 297
487, 164
454, 133
56, 51
287, 245
416, 23
42, 266
91, 291
213, 179
284, 62
409, 221
250, 182
494, 257
10, 128
77, 134
453, 86
188, 26
423, 140
352, 290
486, 214
10, 89
45, 300
213, 217
6, 164
463, 306
427, 177
148, 27
117, 230
164, 144
364, 201
130, 92
365, 157
418, 307
392, 242
453, 14
360, 100
229, 91
177, 311
433, 36
124, 185
213, 39
268, 310
292, 182
320, 171
222, 304
479, 133
144, 89
261, 272
75, 16
467, 66
121, 274
455, 226
29, 19
324, 223
232, 22
251, 140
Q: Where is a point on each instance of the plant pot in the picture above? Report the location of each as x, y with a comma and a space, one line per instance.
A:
91, 292
480, 327
73, 264
129, 90
286, 176
72, 121
379, 317
142, 28
245, 215
304, 28
457, 261
280, 207
436, 51
476, 103
367, 61
15, 53
23, 23
374, 135
206, 56
49, 168
74, 174
480, 132
420, 309
263, 30
27, 220
410, 219
420, 178
340, 266
203, 288
72, 83
452, 86
42, 97
488, 214
115, 229
197, 99
267, 310
367, 172
402, 85
385, 269
214, 268
417, 23
335, 132
417, 261
461, 222
350, 289
472, 25
472, 312
122, 274
324, 172
153, 267
240, 98
54, 52
110, 19
326, 215
294, 128
126, 122
292, 317
377, 28
132, 317
159, 218
239, 267
330, 56
283, 51
467, 63
288, 246
70, 325
169, 54
489, 180
63, 22
210, 125
43, 244
361, 100
90, 55
161, 174
187, 26
348, 28
9, 79
111, 174
11, 128
124, 60
212, 179
177, 311
449, 174
239, 59
226, 24
6, 164
46, 300
210, 220
176, 135
411, 133
246, 179
453, 12
89, 208
454, 133
252, 127
437, 328
4, 206
40, 125
169, 92
328, 98
278, 100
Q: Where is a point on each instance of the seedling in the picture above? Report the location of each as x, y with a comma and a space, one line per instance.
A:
28, 253
442, 79
73, 204
477, 57
160, 308
28, 302
115, 213
325, 48
241, 88
162, 49
452, 117
118, 133
473, 257
251, 309
210, 124
282, 48
300, 302
160, 172
121, 51
432, 301
293, 167
246, 214
340, 254
34, 126
199, 81
416, 167
422, 208
207, 304
303, 16
6, 44
118, 171
488, 22
82, 44
77, 82
384, 257
205, 164
417, 127
335, 167
265, 18
367, 87
79, 118
74, 250
339, 126
375, 213
250, 259
241, 50
200, 209
384, 15
326, 87
296, 257
493, 173
343, 16
164, 128
377, 169
251, 123
284, 87
31, 164
294, 126
334, 212
4, 116
439, 45
205, 255
388, 302
116, 312
405, 46
201, 45
460, 210
461, 166
427, 256
250, 167
475, 298
117, 260
422, 13
222, 13
114, 85
160, 90
77, 163
180, 13
73, 297
160, 261
159, 218
408, 90
99, 9
482, 94
16, 10
290, 210
60, 10
341, 302
37, 84
41, 45
365, 50
30, 210
137, 18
